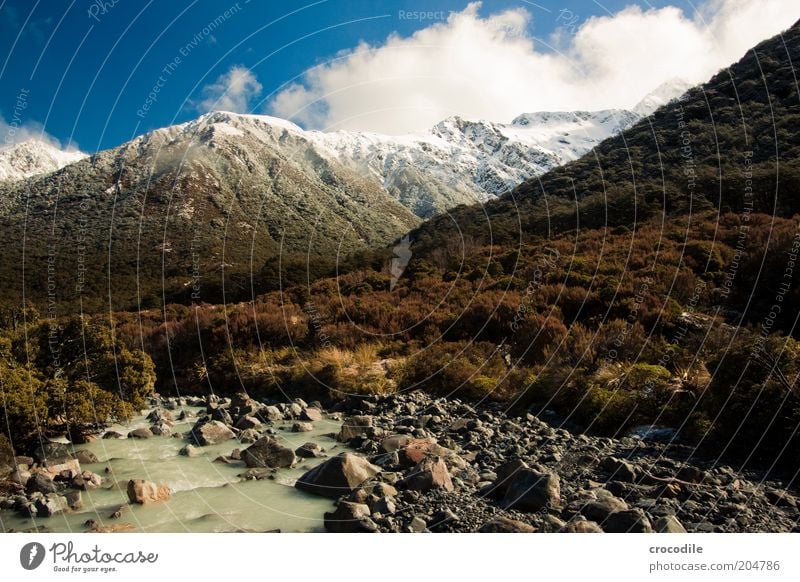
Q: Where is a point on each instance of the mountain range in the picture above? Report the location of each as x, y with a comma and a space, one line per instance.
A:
213, 202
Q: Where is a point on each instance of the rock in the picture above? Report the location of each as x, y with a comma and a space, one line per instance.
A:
529, 490
51, 504
189, 451
311, 414
20, 476
87, 480
582, 526
604, 505
247, 422
80, 437
40, 482
249, 436
415, 450
211, 432
66, 470
161, 429
337, 476
302, 427
442, 519
668, 524
384, 506
355, 426
143, 492
271, 413
431, 473
267, 452
505, 474
780, 497
51, 453
294, 410
309, 451
506, 525
628, 521
74, 499
620, 470
417, 525
236, 455
394, 443
140, 433
157, 416
87, 457
349, 518
112, 434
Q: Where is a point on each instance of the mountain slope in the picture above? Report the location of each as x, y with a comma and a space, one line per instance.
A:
33, 158
730, 144
189, 210
463, 162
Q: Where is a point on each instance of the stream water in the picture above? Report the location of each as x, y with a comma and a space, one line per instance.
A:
207, 496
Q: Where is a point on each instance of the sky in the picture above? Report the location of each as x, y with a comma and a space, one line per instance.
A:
92, 74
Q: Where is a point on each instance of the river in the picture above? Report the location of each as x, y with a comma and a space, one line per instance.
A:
207, 496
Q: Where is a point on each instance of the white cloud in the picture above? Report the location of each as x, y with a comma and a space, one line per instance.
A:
491, 67
232, 91
16, 131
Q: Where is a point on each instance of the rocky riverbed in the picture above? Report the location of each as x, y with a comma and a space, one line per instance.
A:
399, 463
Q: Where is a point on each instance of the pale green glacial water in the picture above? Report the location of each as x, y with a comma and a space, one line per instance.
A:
206, 496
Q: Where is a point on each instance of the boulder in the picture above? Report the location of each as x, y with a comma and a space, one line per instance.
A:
628, 521
162, 429
140, 433
505, 474
51, 504
309, 451
430, 473
271, 413
211, 432
41, 483
529, 490
50, 452
189, 451
311, 414
86, 457
355, 426
620, 470
63, 471
302, 427
337, 476
157, 416
349, 518
87, 480
112, 434
668, 524
143, 492
247, 422
249, 435
506, 525
267, 452
604, 505
582, 526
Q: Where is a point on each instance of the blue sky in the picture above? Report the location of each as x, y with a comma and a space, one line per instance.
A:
85, 68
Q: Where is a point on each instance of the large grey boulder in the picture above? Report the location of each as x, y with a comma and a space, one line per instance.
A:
211, 432
529, 490
267, 452
337, 476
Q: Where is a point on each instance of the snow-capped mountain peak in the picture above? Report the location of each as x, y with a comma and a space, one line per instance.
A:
661, 95
33, 157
